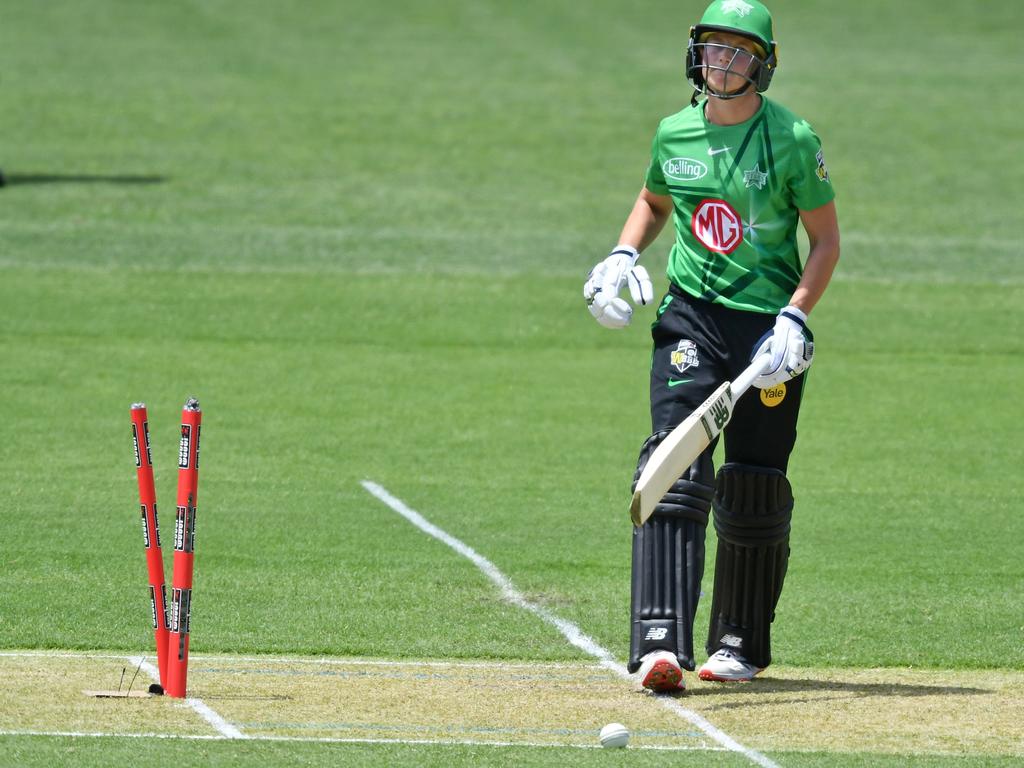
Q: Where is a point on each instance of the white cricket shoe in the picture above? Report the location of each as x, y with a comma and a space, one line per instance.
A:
727, 667
660, 672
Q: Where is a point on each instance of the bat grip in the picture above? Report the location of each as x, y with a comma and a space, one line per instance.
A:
742, 382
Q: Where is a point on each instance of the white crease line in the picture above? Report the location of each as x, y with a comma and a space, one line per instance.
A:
570, 631
398, 662
208, 657
63, 654
115, 735
200, 707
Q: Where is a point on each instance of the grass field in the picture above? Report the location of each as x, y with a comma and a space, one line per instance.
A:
357, 233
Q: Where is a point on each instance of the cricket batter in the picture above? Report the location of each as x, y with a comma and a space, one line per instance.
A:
735, 172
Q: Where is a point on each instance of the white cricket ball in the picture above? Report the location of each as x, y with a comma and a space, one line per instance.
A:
614, 735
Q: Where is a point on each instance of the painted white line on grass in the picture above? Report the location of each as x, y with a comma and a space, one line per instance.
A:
63, 654
116, 735
222, 726
342, 740
570, 631
510, 665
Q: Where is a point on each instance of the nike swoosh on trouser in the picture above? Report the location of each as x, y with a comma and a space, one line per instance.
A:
677, 382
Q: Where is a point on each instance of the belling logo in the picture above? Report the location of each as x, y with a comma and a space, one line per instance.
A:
684, 169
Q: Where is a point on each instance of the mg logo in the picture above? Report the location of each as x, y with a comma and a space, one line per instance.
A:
717, 225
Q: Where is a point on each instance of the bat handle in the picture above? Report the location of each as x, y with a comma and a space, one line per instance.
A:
744, 380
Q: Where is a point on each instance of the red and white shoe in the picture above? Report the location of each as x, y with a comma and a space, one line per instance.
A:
727, 667
660, 672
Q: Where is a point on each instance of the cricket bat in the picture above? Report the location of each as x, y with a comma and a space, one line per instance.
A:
685, 443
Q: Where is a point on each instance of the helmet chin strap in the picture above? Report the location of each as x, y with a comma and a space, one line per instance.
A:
727, 95
707, 91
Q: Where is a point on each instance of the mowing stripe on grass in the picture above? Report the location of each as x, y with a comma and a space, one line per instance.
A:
200, 707
570, 631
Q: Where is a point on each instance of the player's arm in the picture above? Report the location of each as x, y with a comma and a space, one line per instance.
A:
646, 220
822, 229
791, 351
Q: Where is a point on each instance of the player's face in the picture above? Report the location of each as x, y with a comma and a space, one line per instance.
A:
728, 61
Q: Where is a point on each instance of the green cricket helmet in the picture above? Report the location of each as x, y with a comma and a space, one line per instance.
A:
747, 18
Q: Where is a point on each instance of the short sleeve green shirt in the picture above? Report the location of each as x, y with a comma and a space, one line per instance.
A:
737, 191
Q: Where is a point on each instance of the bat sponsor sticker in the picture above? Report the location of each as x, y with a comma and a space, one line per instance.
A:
718, 414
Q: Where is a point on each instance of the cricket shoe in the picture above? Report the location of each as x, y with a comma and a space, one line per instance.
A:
660, 672
727, 667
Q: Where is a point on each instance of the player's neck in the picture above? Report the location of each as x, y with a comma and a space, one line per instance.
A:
732, 111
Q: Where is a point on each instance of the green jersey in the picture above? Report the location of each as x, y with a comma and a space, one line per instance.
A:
737, 192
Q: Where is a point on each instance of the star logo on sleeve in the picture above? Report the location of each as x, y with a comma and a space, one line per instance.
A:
754, 177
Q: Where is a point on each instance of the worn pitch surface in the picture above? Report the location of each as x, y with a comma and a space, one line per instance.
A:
564, 704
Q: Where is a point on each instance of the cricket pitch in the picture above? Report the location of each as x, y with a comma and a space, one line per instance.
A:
895, 711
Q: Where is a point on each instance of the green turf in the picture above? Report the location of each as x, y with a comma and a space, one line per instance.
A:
476, 426
357, 232
29, 751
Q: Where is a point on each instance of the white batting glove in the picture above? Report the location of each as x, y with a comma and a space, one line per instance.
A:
791, 348
601, 290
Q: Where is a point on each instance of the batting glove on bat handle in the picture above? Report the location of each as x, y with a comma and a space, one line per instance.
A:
601, 290
791, 346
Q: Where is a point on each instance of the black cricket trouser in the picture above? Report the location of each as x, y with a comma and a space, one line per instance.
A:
697, 346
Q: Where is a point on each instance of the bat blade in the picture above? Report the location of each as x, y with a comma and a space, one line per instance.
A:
678, 451
686, 442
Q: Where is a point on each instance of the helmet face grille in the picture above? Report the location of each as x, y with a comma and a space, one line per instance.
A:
737, 65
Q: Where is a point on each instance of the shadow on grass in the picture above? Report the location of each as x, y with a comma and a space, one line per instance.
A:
17, 179
800, 690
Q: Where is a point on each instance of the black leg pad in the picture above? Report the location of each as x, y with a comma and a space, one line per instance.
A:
668, 563
690, 496
753, 510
